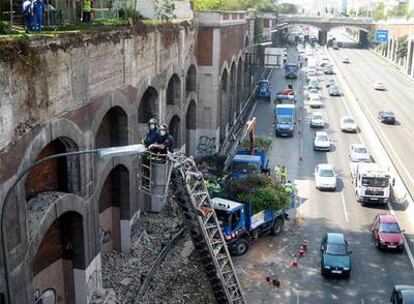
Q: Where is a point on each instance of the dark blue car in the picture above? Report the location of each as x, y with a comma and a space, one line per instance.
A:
335, 255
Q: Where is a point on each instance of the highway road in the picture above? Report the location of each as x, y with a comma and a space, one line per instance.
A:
374, 273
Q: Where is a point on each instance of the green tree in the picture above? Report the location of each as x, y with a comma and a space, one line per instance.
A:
399, 10
379, 12
287, 8
402, 47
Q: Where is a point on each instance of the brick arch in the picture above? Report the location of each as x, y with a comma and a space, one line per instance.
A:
223, 104
239, 85
113, 129
113, 204
232, 93
173, 93
110, 100
190, 125
175, 129
127, 205
61, 174
148, 105
191, 80
61, 234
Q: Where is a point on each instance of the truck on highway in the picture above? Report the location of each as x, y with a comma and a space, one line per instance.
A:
263, 89
285, 119
247, 162
372, 182
240, 225
291, 70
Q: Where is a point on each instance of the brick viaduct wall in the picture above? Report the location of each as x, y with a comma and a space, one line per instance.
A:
74, 93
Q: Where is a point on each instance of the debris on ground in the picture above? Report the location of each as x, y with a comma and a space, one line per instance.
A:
178, 277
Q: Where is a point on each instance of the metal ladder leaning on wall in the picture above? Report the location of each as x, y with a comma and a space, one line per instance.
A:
187, 183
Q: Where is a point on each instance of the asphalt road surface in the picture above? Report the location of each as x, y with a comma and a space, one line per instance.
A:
374, 273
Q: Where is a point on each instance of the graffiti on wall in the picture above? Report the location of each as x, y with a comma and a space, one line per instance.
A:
206, 145
104, 235
47, 296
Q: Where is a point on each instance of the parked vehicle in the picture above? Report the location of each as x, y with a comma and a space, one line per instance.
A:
402, 294
247, 163
387, 233
372, 182
263, 89
285, 119
240, 226
291, 70
321, 142
348, 124
325, 177
387, 117
335, 255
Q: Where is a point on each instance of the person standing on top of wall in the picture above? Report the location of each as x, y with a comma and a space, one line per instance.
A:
38, 12
87, 11
27, 13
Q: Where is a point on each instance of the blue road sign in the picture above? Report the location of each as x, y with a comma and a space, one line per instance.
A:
381, 36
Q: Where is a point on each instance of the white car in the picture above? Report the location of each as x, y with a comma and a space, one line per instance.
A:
313, 93
314, 84
379, 85
348, 124
315, 102
358, 153
325, 177
346, 60
317, 120
321, 142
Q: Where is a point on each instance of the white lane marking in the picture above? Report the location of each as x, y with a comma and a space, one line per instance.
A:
407, 248
344, 206
297, 297
362, 301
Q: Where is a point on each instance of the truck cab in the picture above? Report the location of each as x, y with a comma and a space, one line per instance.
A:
247, 163
285, 119
240, 226
372, 182
263, 89
291, 70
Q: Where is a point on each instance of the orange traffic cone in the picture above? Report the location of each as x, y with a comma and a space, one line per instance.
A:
295, 262
301, 251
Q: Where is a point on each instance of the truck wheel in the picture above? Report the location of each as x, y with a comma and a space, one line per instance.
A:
278, 226
241, 247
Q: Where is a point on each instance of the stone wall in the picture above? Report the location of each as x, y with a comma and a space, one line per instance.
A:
77, 92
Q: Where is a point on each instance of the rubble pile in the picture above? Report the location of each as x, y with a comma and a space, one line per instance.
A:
177, 278
180, 278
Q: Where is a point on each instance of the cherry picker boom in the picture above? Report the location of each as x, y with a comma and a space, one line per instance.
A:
187, 183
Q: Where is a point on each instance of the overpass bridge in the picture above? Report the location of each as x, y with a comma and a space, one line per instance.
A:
325, 24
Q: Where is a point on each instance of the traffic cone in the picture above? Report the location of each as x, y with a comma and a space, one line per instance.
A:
295, 262
305, 244
300, 158
301, 251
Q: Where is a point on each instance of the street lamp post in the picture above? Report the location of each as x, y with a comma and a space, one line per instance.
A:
101, 153
266, 43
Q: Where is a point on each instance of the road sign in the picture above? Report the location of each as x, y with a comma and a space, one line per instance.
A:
381, 36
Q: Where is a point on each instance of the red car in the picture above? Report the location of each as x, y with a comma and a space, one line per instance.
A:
387, 232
